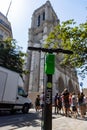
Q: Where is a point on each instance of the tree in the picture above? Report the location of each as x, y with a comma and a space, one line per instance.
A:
11, 56
69, 36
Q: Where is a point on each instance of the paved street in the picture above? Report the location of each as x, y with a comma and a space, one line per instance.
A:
32, 121
60, 122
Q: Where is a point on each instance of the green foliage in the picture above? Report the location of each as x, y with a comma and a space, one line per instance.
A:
69, 36
11, 56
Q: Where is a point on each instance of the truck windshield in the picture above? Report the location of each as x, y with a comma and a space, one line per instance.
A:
21, 91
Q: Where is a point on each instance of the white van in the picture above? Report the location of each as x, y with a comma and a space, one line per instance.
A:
12, 94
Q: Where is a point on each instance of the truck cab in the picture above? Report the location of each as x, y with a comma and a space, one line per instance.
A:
12, 94
22, 102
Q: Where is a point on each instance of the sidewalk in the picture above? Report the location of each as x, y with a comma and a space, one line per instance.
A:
60, 122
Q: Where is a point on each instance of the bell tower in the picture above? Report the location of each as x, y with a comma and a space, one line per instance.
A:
43, 21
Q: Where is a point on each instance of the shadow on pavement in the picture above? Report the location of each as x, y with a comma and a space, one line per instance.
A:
19, 120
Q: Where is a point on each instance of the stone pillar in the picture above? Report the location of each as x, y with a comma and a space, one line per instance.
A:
28, 62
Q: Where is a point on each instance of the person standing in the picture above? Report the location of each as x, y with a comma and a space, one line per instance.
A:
56, 103
42, 100
37, 103
59, 103
81, 104
74, 105
66, 101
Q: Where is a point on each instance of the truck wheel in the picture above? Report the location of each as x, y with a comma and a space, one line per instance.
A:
25, 108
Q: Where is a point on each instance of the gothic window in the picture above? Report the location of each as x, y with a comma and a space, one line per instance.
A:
1, 37
38, 22
43, 15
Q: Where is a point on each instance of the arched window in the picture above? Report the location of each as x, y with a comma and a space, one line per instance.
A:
38, 22
43, 15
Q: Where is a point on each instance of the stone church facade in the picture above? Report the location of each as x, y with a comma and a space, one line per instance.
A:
43, 21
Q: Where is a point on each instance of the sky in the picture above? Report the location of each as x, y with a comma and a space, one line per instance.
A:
20, 14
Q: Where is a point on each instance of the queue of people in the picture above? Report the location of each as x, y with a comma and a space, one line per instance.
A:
70, 104
65, 103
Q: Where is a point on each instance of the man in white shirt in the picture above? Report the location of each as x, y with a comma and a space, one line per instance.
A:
42, 100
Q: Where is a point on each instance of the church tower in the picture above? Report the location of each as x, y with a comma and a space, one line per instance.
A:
44, 19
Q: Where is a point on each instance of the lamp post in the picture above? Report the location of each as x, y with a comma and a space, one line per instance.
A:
49, 70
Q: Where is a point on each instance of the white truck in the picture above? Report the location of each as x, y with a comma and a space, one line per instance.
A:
12, 94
